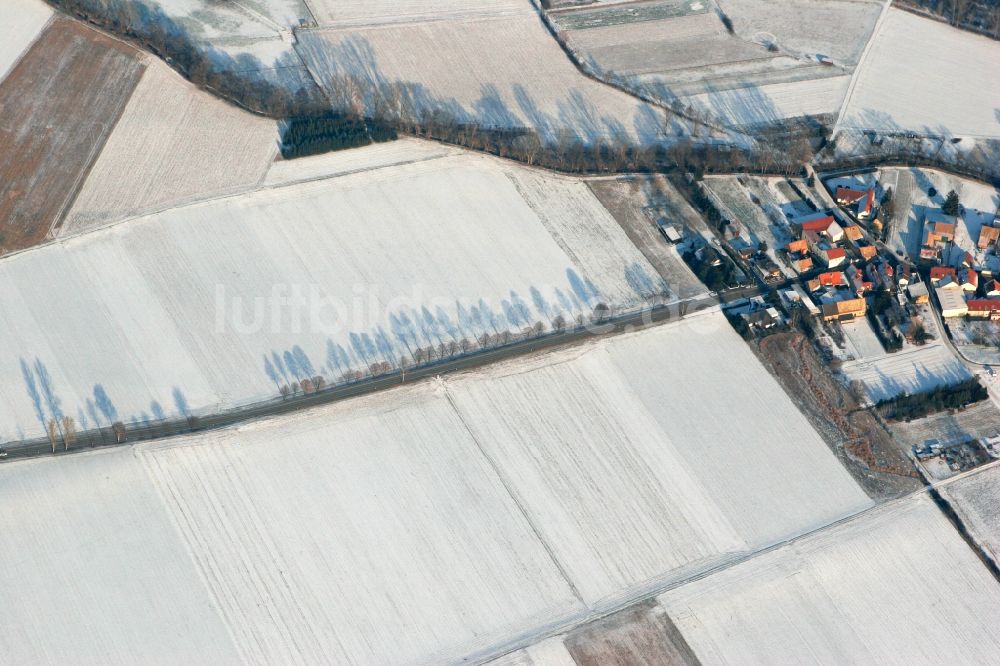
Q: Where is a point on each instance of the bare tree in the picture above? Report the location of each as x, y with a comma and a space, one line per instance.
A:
52, 430
68, 432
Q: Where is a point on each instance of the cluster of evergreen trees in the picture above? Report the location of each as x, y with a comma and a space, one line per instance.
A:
328, 131
956, 396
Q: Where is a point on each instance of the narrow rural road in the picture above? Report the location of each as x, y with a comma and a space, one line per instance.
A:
621, 324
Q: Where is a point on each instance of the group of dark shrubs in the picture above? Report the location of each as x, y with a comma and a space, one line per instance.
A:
321, 133
956, 396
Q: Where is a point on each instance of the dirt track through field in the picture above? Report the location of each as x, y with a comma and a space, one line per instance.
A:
57, 108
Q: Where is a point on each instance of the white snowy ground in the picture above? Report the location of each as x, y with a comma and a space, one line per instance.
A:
897, 585
924, 76
451, 519
861, 341
976, 499
218, 303
913, 370
910, 191
21, 21
173, 144
500, 71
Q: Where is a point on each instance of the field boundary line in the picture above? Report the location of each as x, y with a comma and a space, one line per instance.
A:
860, 66
518, 502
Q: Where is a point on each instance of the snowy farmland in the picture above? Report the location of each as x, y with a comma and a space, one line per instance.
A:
354, 160
767, 71
625, 420
370, 12
21, 21
173, 144
757, 105
512, 75
897, 585
914, 73
222, 302
913, 370
975, 497
455, 518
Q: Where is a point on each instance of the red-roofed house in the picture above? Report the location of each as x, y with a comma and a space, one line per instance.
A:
854, 232
988, 236
798, 246
868, 252
845, 196
992, 288
802, 265
984, 308
969, 279
834, 256
938, 273
824, 225
867, 205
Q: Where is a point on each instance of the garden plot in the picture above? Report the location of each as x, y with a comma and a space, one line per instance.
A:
60, 103
634, 12
911, 189
978, 341
895, 585
638, 203
21, 21
661, 46
691, 58
861, 341
173, 144
910, 371
914, 71
533, 85
764, 221
363, 12
221, 303
975, 497
87, 537
838, 30
979, 420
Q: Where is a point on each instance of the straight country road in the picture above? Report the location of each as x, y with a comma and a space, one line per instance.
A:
644, 318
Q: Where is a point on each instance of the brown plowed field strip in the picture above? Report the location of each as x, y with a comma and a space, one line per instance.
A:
57, 107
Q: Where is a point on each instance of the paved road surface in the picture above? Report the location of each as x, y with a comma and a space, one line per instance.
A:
135, 433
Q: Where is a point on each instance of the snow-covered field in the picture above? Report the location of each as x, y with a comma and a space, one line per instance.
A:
837, 29
449, 519
20, 22
221, 302
926, 77
897, 585
914, 370
88, 537
504, 72
975, 497
763, 104
173, 144
354, 160
365, 12
637, 422
736, 77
